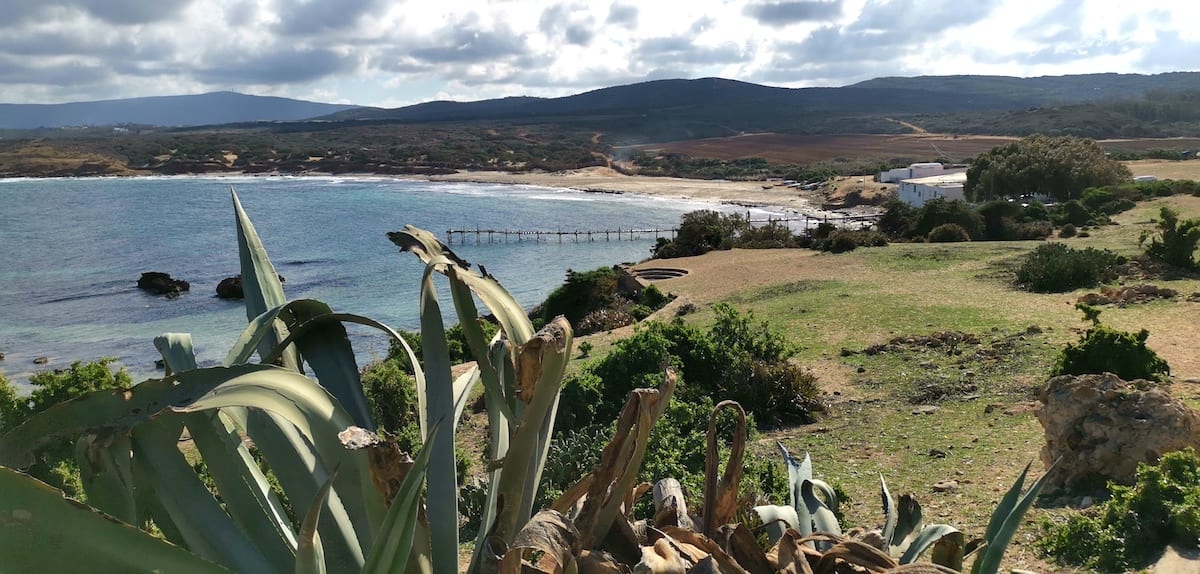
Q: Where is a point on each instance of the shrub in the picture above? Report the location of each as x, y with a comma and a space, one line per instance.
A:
948, 233
1106, 350
1075, 213
735, 359
391, 394
1067, 230
1055, 268
844, 240
1176, 241
774, 235
654, 298
1130, 530
700, 232
605, 319
940, 212
582, 293
897, 219
585, 349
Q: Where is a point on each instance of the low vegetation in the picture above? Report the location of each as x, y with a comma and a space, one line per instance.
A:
1056, 268
1130, 530
1103, 349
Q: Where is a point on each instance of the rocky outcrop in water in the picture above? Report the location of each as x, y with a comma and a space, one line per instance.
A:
230, 288
159, 283
1102, 426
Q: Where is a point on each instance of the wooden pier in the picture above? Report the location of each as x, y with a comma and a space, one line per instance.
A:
481, 235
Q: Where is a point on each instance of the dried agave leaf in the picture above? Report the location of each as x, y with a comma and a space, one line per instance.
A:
740, 544
921, 568
661, 558
720, 494
857, 554
724, 561
592, 562
548, 532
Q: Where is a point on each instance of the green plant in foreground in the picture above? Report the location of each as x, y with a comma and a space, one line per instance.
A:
1106, 350
1131, 529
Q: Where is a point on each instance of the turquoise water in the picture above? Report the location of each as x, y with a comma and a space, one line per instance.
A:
71, 251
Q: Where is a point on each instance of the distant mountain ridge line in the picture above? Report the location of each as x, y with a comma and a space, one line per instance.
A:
677, 107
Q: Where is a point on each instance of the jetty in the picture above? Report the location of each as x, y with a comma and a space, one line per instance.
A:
481, 235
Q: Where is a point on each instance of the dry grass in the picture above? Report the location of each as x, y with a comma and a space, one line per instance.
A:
1166, 169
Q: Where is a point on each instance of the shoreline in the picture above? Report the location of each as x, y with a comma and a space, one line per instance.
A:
747, 194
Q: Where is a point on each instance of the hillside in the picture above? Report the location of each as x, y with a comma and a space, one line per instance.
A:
1044, 90
192, 110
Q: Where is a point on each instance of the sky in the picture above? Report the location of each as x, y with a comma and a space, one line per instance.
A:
391, 53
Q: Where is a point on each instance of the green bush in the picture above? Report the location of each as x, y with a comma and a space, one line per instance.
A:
1056, 268
1075, 213
843, 240
700, 232
1067, 231
774, 235
735, 359
1176, 241
897, 219
1130, 530
941, 212
654, 298
948, 233
1107, 350
581, 294
391, 394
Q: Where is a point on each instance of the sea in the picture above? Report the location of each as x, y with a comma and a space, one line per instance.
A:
72, 249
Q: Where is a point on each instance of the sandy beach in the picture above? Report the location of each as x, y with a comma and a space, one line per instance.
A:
607, 180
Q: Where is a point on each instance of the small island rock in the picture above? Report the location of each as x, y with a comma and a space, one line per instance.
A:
162, 284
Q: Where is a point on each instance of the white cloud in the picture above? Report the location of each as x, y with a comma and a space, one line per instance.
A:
376, 52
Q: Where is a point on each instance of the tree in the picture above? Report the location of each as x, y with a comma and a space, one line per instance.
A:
1176, 241
1056, 167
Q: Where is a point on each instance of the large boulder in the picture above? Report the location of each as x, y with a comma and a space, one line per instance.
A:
1102, 426
230, 288
162, 284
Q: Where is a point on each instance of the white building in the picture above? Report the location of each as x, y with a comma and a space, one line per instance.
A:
918, 191
913, 171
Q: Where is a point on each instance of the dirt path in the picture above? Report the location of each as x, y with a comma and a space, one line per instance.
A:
914, 127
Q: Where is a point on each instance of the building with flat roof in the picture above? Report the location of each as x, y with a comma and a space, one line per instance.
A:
919, 191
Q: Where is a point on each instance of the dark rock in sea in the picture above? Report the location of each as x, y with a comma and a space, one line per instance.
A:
1, 356
160, 364
231, 287
41, 360
162, 284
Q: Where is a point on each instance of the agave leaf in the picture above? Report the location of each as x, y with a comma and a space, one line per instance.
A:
106, 471
468, 318
430, 250
318, 417
243, 487
538, 375
989, 561
798, 471
442, 488
891, 514
394, 542
776, 519
325, 346
949, 550
115, 410
830, 495
720, 493
301, 473
930, 535
498, 442
261, 287
204, 525
46, 532
310, 558
549, 533
1007, 503
857, 554
908, 523
822, 517
177, 352
244, 490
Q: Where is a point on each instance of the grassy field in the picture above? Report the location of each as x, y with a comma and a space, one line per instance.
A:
867, 323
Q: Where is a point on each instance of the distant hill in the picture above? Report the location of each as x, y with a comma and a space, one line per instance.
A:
1044, 90
666, 110
193, 110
